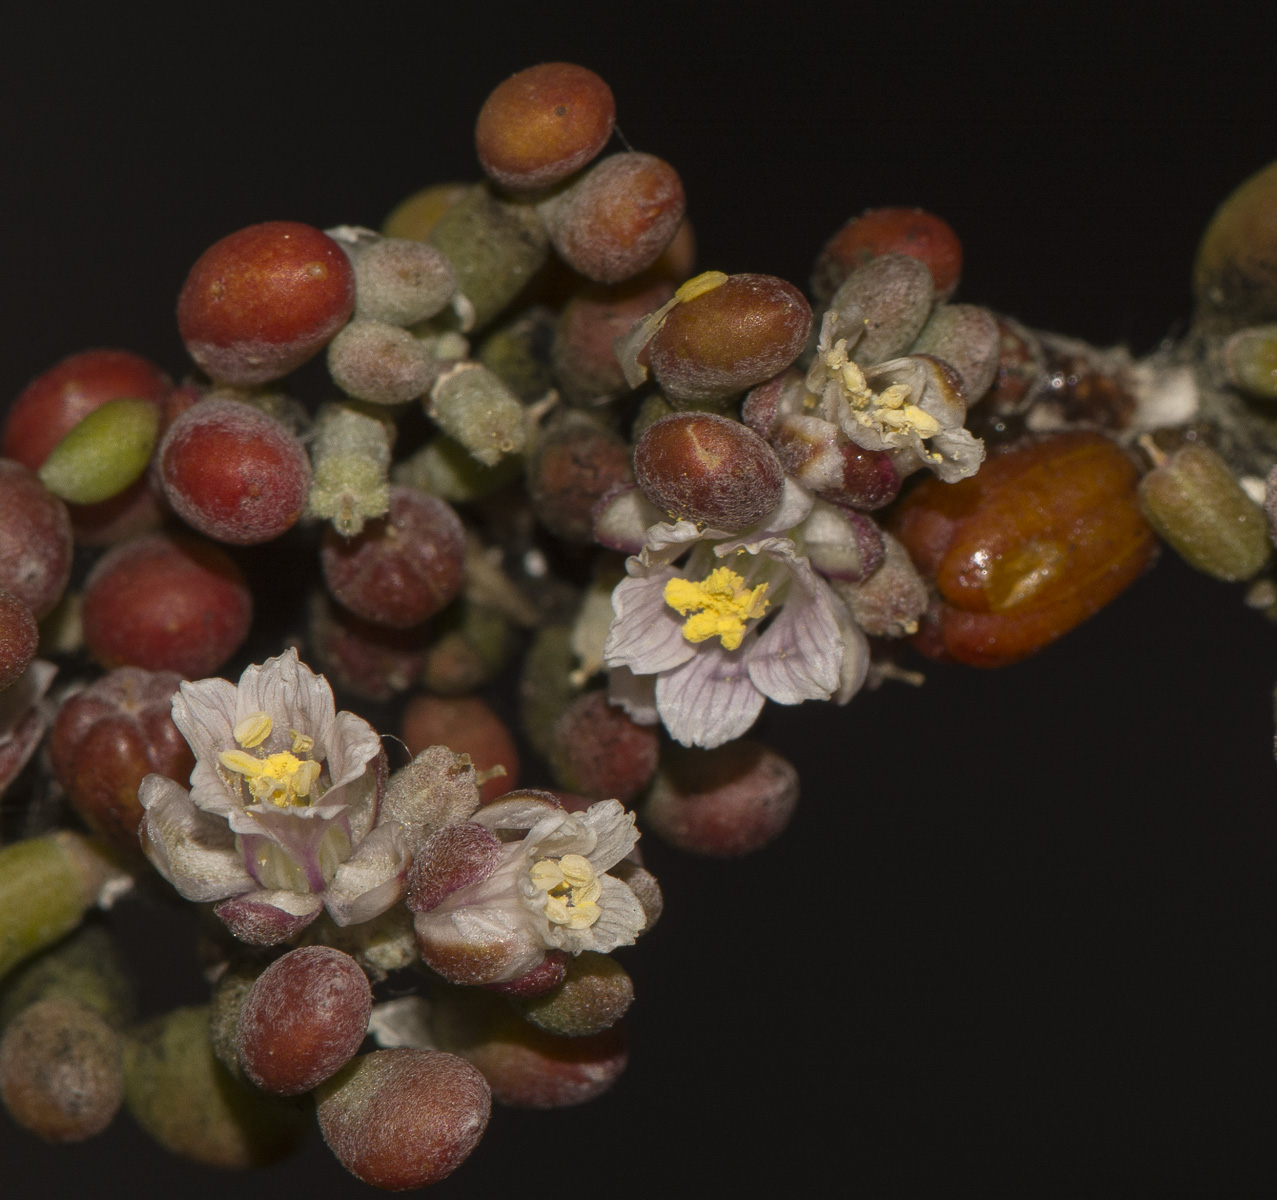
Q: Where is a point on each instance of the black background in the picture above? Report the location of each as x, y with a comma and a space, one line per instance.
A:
1020, 935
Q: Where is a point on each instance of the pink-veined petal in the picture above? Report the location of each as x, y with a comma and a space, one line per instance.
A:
710, 699
293, 696
193, 850
204, 713
799, 657
371, 879
634, 693
646, 634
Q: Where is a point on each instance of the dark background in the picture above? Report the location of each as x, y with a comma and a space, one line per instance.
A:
1020, 934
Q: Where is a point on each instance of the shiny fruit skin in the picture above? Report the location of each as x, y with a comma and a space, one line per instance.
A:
911, 231
542, 124
263, 300
1041, 538
54, 402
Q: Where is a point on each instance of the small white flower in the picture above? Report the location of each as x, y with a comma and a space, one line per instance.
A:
685, 646
281, 818
549, 890
912, 407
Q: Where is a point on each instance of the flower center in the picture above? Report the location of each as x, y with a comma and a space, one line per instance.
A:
889, 410
572, 890
718, 606
283, 779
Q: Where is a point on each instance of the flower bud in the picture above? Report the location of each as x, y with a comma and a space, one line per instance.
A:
61, 1071
437, 788
1234, 279
708, 469
104, 453
351, 456
842, 543
816, 454
518, 352
1196, 504
380, 363
525, 1066
466, 725
401, 281
399, 1119
730, 338
600, 752
1250, 358
575, 464
887, 301
724, 802
179, 1093
223, 1013
910, 231
494, 246
473, 406
967, 338
890, 601
595, 993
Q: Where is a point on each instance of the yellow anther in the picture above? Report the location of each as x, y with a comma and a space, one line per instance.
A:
240, 763
718, 606
305, 777
706, 281
253, 729
303, 743
546, 875
572, 889
576, 870
283, 779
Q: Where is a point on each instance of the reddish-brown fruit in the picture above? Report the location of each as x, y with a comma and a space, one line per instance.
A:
547, 974
263, 300
1044, 536
466, 725
19, 636
708, 469
730, 338
303, 1020
724, 802
233, 473
453, 857
53, 403
542, 124
35, 540
402, 1119
618, 218
133, 512
370, 661
600, 752
879, 231
576, 463
403, 568
584, 362
166, 604
108, 738
525, 1066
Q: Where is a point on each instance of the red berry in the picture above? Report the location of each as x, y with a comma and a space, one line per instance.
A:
403, 568
600, 752
303, 1019
234, 473
35, 540
166, 604
263, 300
542, 124
108, 738
53, 403
19, 636
911, 231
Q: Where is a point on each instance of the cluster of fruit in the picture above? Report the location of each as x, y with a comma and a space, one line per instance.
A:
804, 487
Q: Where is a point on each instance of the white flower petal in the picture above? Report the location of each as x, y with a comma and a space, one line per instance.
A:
371, 879
518, 812
204, 712
961, 454
194, 851
352, 744
634, 693
614, 830
855, 656
710, 699
646, 634
292, 695
795, 504
557, 834
799, 657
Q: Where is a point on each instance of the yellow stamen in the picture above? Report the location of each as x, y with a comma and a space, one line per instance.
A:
303, 743
706, 281
253, 730
718, 606
283, 779
572, 888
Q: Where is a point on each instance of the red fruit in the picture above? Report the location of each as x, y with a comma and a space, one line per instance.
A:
35, 540
403, 568
600, 752
133, 512
19, 636
542, 124
263, 300
52, 404
303, 1020
234, 473
466, 725
879, 231
166, 604
108, 738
